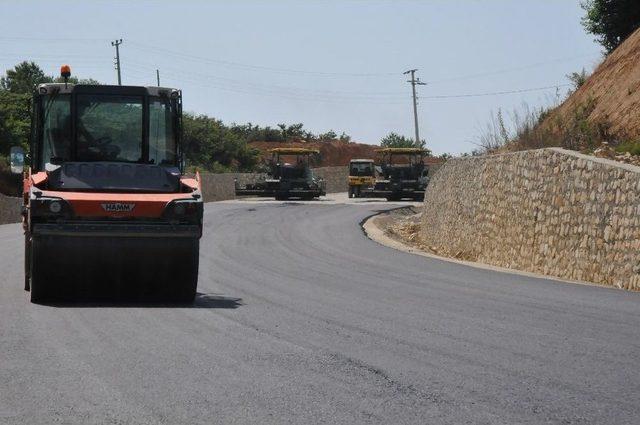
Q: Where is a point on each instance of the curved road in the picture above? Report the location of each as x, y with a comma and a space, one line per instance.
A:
331, 328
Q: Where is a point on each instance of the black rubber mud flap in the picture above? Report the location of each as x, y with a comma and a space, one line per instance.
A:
69, 268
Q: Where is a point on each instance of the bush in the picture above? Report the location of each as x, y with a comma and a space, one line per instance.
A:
633, 147
533, 129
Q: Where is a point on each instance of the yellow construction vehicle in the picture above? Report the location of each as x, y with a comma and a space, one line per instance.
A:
362, 175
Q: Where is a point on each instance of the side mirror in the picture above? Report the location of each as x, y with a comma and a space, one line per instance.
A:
17, 160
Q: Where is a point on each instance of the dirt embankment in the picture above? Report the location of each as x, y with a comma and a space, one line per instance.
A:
610, 98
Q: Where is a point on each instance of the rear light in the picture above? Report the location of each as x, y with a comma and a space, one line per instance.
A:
51, 208
187, 210
179, 209
55, 207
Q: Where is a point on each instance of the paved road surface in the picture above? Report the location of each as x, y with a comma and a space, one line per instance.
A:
331, 328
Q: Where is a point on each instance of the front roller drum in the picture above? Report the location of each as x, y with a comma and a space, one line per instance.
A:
120, 268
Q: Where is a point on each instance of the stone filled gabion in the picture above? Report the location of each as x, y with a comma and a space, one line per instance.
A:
549, 211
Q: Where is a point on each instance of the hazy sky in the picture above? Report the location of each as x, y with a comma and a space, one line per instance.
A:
328, 64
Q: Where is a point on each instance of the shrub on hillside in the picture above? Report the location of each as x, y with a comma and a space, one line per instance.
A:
533, 128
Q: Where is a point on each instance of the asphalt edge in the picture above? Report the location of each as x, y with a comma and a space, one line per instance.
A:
376, 234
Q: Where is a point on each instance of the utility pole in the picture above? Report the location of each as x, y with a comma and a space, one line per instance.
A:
117, 44
158, 76
415, 82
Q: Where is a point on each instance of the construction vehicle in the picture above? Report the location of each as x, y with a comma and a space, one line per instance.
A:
108, 213
289, 176
361, 176
403, 175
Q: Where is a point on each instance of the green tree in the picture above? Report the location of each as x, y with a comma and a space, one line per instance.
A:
344, 137
394, 140
211, 145
76, 80
611, 21
24, 78
329, 135
15, 120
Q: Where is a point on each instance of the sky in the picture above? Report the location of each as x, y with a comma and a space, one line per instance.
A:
327, 64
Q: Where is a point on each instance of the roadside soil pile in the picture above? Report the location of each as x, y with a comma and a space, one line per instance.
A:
403, 225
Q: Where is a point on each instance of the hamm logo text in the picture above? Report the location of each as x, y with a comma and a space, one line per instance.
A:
118, 207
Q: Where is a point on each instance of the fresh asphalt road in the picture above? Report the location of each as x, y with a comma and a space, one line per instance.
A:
331, 328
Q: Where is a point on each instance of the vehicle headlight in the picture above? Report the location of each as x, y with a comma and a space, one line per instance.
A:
189, 210
50, 207
55, 207
179, 208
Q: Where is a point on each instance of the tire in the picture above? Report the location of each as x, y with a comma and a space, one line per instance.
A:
184, 285
282, 197
38, 283
351, 192
27, 262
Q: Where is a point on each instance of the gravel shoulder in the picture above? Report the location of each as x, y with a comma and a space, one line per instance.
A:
398, 228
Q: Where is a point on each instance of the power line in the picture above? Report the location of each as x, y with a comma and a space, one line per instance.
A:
507, 70
497, 93
55, 40
230, 83
66, 55
324, 99
146, 47
286, 89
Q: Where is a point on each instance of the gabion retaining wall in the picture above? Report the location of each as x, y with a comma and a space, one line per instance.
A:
548, 211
